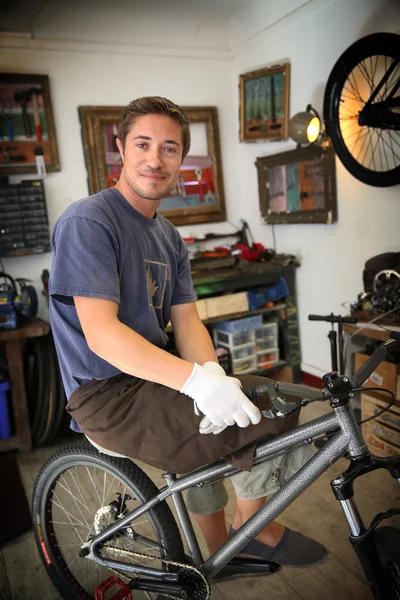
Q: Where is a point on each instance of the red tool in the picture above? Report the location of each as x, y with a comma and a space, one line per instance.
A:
249, 252
124, 593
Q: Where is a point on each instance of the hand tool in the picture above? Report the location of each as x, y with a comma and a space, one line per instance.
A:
2, 119
23, 98
8, 116
36, 114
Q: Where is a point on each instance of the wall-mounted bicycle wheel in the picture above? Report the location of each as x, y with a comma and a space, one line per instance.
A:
362, 109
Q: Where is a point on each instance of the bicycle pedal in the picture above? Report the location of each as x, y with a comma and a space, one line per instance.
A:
124, 592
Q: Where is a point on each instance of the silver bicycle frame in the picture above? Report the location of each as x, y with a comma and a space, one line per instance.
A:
348, 439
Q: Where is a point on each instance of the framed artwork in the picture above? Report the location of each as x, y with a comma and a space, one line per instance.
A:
26, 124
198, 196
264, 104
298, 186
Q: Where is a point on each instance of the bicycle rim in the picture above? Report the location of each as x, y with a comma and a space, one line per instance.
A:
370, 153
77, 507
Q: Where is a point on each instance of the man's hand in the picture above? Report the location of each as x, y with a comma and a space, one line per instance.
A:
206, 425
220, 398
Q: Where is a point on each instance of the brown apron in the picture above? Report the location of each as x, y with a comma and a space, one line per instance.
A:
157, 425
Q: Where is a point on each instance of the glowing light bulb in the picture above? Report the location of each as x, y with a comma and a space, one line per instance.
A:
313, 129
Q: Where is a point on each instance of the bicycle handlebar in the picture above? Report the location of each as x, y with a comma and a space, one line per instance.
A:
332, 318
377, 357
273, 388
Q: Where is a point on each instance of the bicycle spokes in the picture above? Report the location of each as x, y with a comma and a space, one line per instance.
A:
369, 113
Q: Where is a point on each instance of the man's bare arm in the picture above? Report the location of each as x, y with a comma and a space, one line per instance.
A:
124, 348
191, 336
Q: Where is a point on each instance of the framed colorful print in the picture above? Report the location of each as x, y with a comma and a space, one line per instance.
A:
264, 104
26, 124
298, 186
198, 196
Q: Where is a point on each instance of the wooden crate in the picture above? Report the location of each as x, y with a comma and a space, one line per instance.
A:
382, 435
373, 403
201, 306
386, 375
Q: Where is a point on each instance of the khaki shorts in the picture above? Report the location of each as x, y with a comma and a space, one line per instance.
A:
263, 480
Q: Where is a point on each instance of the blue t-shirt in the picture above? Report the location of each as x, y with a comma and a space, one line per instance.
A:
103, 248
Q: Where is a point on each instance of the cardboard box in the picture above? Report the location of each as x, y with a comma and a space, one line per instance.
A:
229, 304
386, 375
201, 306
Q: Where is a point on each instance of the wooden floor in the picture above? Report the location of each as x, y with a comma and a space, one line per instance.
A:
316, 513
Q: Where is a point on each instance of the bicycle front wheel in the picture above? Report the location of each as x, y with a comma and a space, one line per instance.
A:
362, 109
78, 493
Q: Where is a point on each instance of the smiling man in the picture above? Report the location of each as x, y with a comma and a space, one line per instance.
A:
120, 273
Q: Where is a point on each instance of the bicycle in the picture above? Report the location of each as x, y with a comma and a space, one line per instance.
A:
99, 528
362, 109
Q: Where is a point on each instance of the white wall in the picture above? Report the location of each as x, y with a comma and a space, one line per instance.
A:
311, 35
104, 79
332, 256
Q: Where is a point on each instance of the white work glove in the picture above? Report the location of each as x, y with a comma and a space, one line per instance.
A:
206, 425
220, 398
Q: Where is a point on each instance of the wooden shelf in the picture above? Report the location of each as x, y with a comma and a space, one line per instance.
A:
239, 315
370, 331
248, 313
12, 443
12, 341
31, 328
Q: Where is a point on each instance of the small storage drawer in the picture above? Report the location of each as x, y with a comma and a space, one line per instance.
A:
242, 351
266, 345
244, 365
233, 339
265, 360
267, 331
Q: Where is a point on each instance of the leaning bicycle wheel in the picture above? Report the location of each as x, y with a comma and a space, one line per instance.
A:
78, 493
362, 109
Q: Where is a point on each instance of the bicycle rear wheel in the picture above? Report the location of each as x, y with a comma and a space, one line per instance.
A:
362, 109
78, 492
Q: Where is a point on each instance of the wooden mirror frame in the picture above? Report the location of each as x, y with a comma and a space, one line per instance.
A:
94, 118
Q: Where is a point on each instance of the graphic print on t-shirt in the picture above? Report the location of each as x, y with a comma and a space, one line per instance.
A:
156, 277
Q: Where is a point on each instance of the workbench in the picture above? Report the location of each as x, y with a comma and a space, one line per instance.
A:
12, 340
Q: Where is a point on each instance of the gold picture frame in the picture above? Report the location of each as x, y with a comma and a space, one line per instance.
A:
26, 124
264, 104
199, 195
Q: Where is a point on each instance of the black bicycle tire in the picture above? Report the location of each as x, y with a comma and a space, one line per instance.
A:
29, 377
128, 471
60, 397
369, 45
52, 408
40, 397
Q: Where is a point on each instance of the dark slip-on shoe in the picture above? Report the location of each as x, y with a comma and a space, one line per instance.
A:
293, 550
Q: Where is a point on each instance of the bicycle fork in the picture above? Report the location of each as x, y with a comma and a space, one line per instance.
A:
362, 538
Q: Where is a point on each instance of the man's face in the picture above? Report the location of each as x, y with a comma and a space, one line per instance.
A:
152, 157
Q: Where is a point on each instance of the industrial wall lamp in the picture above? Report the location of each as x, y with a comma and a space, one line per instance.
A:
305, 127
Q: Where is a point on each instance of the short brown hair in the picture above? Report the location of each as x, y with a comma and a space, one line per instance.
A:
154, 105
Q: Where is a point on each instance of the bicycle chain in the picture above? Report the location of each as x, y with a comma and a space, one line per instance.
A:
199, 594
